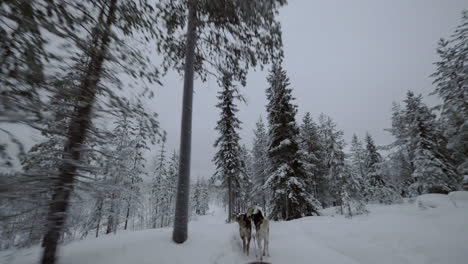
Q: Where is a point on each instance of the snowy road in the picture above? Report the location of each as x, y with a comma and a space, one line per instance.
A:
434, 231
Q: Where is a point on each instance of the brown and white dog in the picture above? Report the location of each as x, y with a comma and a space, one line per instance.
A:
262, 230
245, 231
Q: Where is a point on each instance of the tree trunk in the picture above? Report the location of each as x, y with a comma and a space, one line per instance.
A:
76, 136
126, 217
183, 188
229, 199
110, 219
100, 204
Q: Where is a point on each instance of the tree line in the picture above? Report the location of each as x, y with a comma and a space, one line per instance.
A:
293, 169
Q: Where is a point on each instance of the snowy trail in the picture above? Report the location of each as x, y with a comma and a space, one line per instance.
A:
405, 233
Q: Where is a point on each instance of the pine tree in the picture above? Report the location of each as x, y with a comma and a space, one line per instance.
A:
200, 197
401, 154
245, 191
379, 188
351, 192
334, 158
260, 164
451, 80
158, 183
227, 159
358, 156
311, 151
434, 171
287, 180
171, 187
423, 147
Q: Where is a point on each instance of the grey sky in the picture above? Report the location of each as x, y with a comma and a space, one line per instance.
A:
348, 59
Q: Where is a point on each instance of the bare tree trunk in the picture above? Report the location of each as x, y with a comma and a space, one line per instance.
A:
99, 216
183, 188
76, 136
229, 199
110, 219
126, 217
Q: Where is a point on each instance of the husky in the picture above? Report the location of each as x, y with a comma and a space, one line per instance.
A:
245, 231
262, 230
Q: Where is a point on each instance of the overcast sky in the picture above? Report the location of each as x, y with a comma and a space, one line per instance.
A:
347, 59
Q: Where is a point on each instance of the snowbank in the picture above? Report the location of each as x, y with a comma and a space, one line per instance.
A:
434, 200
460, 199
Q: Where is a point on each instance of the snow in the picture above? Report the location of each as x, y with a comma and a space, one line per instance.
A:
459, 199
400, 233
434, 200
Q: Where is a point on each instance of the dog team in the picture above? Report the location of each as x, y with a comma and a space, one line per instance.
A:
262, 230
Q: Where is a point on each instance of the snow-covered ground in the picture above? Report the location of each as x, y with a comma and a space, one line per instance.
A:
430, 229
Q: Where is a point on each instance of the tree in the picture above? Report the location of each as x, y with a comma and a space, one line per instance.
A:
78, 130
311, 151
334, 158
358, 156
234, 35
244, 196
401, 157
287, 180
158, 184
227, 159
451, 80
352, 196
423, 147
200, 197
379, 188
434, 171
260, 164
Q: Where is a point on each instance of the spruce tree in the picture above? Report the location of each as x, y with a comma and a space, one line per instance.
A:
422, 144
244, 196
451, 80
227, 159
351, 192
260, 163
358, 156
380, 190
434, 171
287, 180
334, 158
311, 152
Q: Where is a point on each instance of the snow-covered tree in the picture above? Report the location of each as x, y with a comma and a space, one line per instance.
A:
434, 171
244, 196
200, 197
334, 157
351, 192
378, 187
287, 181
260, 164
158, 184
227, 159
422, 146
451, 80
358, 156
311, 152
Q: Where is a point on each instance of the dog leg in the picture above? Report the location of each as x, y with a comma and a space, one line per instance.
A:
248, 245
243, 245
264, 247
259, 243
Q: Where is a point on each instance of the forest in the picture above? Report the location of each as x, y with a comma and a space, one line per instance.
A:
81, 75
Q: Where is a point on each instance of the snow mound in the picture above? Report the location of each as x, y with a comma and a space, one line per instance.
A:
434, 200
459, 199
